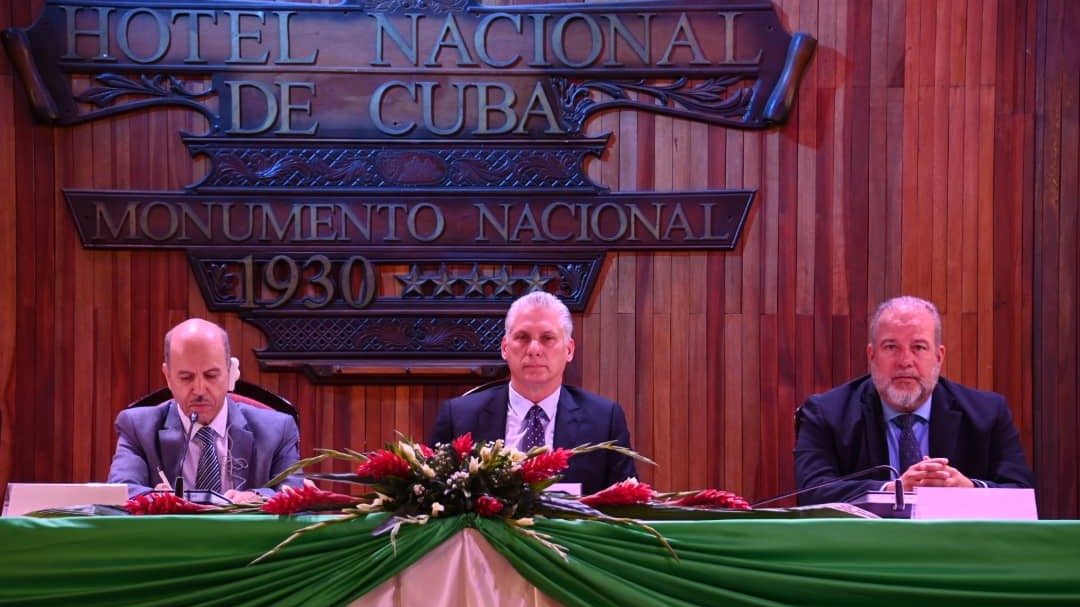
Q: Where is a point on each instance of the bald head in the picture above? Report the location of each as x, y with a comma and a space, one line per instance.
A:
196, 367
197, 328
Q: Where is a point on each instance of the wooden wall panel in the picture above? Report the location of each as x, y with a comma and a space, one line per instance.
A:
933, 151
9, 165
1055, 305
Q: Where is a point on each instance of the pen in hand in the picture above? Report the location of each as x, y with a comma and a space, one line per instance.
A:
164, 480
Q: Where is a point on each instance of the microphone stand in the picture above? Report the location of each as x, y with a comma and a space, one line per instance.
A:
898, 486
178, 486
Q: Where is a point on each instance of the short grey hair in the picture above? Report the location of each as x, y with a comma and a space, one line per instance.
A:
906, 301
540, 299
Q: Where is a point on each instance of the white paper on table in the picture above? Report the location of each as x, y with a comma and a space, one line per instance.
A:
974, 503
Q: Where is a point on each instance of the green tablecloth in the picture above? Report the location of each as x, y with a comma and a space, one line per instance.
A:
204, 560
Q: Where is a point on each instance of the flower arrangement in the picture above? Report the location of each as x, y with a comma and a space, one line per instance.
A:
416, 482
162, 503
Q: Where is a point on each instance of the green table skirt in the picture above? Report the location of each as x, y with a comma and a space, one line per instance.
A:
205, 560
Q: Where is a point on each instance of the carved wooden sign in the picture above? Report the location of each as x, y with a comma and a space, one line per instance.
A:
385, 176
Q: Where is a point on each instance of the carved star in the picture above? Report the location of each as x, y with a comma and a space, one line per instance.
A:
444, 282
412, 283
534, 280
503, 283
474, 283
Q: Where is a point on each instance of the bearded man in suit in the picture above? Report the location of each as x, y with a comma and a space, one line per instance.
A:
535, 407
247, 445
933, 431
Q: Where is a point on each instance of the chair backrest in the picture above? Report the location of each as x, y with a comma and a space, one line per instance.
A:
243, 392
488, 384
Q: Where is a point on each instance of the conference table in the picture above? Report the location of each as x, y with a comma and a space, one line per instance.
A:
472, 561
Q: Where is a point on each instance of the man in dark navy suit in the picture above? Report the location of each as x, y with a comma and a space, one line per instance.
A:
933, 431
535, 407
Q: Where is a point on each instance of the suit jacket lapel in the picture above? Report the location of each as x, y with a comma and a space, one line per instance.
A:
568, 422
944, 424
171, 441
491, 419
875, 443
241, 442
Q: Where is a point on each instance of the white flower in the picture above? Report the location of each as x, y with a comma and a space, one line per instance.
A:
408, 452
458, 480
474, 465
418, 489
516, 456
428, 471
436, 508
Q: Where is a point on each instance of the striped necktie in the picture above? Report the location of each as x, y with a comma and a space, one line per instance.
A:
208, 476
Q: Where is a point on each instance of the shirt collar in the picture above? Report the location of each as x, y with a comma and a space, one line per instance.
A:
521, 405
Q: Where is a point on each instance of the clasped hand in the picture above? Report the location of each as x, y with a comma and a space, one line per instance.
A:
933, 472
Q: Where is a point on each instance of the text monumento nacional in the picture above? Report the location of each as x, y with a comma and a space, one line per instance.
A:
384, 176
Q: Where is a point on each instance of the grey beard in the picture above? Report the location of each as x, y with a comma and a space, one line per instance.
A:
908, 400
904, 399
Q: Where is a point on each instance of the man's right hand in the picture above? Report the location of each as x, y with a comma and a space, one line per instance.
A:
932, 472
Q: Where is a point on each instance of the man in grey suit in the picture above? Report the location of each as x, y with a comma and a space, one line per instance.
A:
202, 435
535, 408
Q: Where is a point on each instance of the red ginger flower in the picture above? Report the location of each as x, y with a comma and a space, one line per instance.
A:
291, 500
463, 445
382, 463
487, 506
425, 450
545, 465
161, 503
621, 493
712, 497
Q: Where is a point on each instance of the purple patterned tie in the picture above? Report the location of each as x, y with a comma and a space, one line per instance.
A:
535, 421
909, 445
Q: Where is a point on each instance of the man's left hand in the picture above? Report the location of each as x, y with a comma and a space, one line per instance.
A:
242, 497
936, 472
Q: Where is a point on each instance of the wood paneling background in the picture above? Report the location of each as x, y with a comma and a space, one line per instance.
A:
934, 151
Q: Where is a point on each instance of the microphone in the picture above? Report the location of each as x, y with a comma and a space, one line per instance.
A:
898, 486
898, 490
178, 486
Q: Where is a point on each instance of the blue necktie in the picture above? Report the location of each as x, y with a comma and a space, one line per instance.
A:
910, 453
535, 422
208, 475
